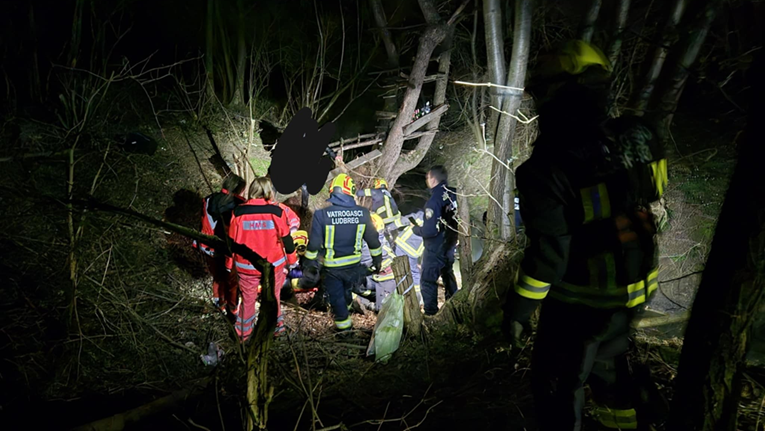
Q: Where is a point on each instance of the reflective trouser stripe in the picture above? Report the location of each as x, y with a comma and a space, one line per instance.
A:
629, 296
616, 418
531, 288
652, 281
343, 324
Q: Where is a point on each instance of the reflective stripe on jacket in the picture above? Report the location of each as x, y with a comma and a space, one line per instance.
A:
262, 227
383, 204
216, 214
339, 231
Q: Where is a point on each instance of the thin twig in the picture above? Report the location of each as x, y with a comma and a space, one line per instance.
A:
520, 120
488, 84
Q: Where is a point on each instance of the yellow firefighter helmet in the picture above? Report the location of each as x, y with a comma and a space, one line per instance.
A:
300, 238
378, 222
380, 183
343, 183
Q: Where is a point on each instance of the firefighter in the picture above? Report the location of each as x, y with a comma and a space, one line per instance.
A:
585, 197
299, 278
383, 204
439, 234
263, 227
216, 214
411, 245
337, 233
375, 287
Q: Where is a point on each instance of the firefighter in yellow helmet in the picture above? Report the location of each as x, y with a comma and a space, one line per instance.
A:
336, 238
383, 204
585, 196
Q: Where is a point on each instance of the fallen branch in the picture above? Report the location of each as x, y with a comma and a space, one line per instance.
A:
650, 322
488, 84
425, 119
120, 420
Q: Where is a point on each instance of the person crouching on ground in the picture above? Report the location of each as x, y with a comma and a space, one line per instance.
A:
263, 227
216, 214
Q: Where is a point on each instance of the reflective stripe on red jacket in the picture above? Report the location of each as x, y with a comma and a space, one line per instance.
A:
262, 227
215, 217
293, 221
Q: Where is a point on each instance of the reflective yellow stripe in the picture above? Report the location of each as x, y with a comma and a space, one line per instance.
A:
311, 254
343, 324
616, 418
329, 241
386, 262
402, 239
343, 261
615, 297
383, 277
596, 203
659, 177
367, 192
387, 205
398, 222
360, 229
603, 271
531, 288
636, 293
652, 282
375, 251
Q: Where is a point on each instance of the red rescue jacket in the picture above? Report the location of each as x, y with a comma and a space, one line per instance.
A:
215, 217
293, 221
261, 226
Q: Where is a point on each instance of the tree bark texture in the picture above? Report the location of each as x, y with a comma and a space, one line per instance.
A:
668, 38
392, 163
617, 32
495, 53
588, 22
500, 218
412, 314
259, 392
393, 58
731, 291
674, 79
241, 57
210, 47
465, 246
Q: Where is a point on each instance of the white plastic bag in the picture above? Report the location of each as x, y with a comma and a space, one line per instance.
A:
388, 329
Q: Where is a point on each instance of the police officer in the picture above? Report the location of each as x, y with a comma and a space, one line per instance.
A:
585, 197
440, 236
412, 246
337, 233
383, 205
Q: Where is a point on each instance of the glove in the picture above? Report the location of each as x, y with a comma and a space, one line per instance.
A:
377, 264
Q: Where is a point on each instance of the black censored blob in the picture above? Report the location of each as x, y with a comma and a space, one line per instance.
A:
299, 156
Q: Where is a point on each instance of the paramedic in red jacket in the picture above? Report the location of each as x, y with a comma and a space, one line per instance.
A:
216, 214
261, 226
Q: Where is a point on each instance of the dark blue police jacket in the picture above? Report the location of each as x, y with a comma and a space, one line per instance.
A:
432, 230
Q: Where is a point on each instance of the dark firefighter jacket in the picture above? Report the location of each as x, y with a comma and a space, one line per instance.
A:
216, 214
338, 231
383, 204
408, 241
587, 217
439, 227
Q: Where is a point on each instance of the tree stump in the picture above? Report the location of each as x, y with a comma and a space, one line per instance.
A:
412, 314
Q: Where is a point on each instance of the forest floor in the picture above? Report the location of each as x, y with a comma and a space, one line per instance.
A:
142, 318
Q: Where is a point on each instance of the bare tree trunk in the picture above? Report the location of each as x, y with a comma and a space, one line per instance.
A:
241, 57
588, 23
210, 47
620, 21
673, 79
501, 217
668, 37
393, 58
495, 52
392, 159
74, 44
259, 391
465, 247
708, 385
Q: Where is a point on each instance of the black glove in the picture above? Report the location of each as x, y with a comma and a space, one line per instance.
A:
513, 331
377, 264
413, 221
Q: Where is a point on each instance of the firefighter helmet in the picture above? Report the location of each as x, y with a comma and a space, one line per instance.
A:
378, 222
300, 238
343, 183
380, 183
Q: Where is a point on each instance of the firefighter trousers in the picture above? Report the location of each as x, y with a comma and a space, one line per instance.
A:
339, 283
575, 345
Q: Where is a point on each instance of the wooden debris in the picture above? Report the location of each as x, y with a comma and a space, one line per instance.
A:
412, 314
355, 163
425, 119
